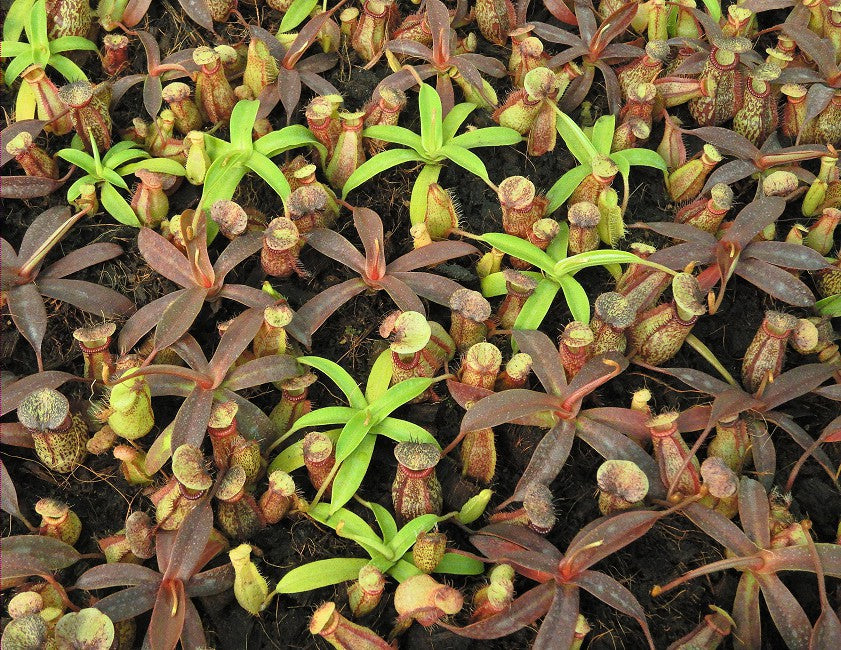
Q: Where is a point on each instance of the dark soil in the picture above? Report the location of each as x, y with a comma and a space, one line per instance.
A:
102, 498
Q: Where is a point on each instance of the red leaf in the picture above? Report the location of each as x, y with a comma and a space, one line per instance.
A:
199, 12
524, 611
167, 616
81, 258
134, 11
15, 391
276, 367
87, 296
29, 187
191, 420
754, 512
612, 593
165, 258
336, 247
178, 316
558, 627
144, 320
235, 253
41, 228
319, 308
506, 406
546, 360
237, 337
29, 315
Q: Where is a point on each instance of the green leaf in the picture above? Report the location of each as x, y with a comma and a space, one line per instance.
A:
521, 249
431, 115
494, 284
407, 535
71, 43
829, 306
403, 570
403, 431
270, 173
66, 68
118, 148
114, 161
159, 165
644, 157
292, 457
16, 19
537, 305
296, 14
242, 124
419, 200
574, 264
491, 136
117, 206
37, 32
467, 159
326, 416
353, 433
603, 130
384, 520
714, 9
577, 142
398, 395
459, 565
352, 472
12, 49
17, 65
289, 137
559, 246
380, 376
321, 573
112, 178
377, 165
395, 134
565, 186
351, 523
78, 158
76, 189
340, 377
454, 119
576, 298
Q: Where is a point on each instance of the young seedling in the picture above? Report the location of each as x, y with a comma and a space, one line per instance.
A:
558, 410
233, 160
40, 50
594, 46
174, 66
588, 149
561, 576
400, 278
752, 161
762, 263
436, 144
390, 551
107, 172
25, 280
368, 416
168, 592
440, 60
294, 71
751, 552
556, 273
730, 401
202, 381
173, 314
